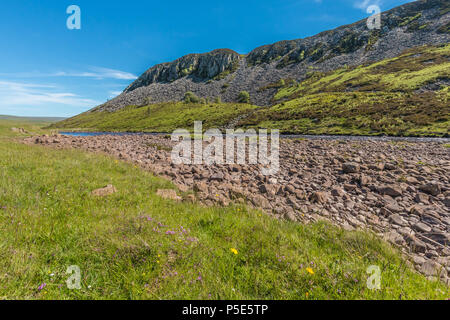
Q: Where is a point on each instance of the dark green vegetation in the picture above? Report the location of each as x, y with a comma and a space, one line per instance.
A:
244, 97
407, 95
135, 245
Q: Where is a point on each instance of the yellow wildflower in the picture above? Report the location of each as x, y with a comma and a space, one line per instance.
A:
311, 271
233, 250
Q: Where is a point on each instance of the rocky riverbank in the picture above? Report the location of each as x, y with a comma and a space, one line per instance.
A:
398, 189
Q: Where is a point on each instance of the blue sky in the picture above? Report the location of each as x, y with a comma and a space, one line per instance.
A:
48, 70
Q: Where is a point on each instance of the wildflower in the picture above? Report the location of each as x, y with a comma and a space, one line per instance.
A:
42, 286
170, 232
233, 250
310, 271
307, 294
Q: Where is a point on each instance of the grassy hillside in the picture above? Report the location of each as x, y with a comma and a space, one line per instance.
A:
135, 245
32, 119
407, 95
162, 117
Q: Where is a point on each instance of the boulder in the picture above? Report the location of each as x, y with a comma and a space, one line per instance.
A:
432, 188
393, 191
350, 167
168, 194
105, 191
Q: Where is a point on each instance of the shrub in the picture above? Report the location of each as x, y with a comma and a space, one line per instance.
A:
244, 97
190, 97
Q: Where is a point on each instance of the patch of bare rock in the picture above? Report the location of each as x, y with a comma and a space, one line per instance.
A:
105, 191
169, 194
400, 190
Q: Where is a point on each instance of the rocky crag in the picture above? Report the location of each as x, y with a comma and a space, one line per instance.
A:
224, 73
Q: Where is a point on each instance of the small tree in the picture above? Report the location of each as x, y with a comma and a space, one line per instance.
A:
244, 97
190, 97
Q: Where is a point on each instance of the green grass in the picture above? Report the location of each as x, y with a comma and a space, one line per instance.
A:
49, 221
163, 117
33, 126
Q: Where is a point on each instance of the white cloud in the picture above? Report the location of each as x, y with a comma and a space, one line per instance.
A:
364, 4
29, 94
113, 94
114, 74
97, 73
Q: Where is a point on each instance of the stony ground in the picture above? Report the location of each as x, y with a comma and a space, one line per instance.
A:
400, 190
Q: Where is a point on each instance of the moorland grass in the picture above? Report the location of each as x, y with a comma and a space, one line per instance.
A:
136, 245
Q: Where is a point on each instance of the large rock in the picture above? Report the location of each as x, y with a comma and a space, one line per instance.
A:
350, 167
105, 191
434, 269
168, 194
319, 197
432, 188
393, 191
422, 227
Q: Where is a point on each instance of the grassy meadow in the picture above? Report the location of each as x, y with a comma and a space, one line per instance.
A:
136, 245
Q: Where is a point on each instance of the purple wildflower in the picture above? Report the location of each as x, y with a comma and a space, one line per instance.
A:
42, 286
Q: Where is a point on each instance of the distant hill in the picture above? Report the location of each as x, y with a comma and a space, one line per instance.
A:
350, 80
32, 119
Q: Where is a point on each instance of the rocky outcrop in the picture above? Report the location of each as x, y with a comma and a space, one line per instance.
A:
224, 73
199, 67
